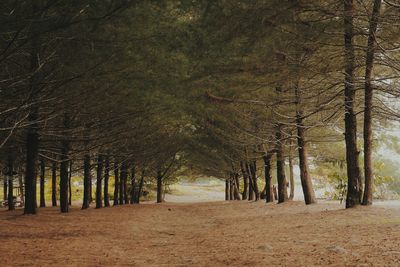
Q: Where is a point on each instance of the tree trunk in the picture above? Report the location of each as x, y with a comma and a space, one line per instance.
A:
21, 185
54, 185
99, 178
291, 177
251, 186
139, 193
231, 188
42, 181
237, 186
159, 187
32, 151
86, 181
245, 181
126, 195
70, 183
227, 190
280, 168
106, 178
269, 194
369, 64
5, 188
354, 189
133, 185
122, 183
10, 169
253, 177
116, 183
64, 174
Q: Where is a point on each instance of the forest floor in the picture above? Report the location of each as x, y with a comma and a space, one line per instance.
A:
234, 233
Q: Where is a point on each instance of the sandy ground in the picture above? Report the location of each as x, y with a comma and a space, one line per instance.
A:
235, 233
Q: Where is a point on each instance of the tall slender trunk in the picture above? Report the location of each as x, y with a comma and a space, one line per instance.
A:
369, 64
5, 188
280, 167
159, 187
133, 185
86, 181
99, 178
306, 182
251, 185
227, 189
139, 193
70, 183
21, 185
253, 171
10, 197
291, 177
245, 181
237, 186
42, 181
122, 183
106, 179
64, 174
231, 188
116, 183
354, 189
126, 195
54, 184
269, 194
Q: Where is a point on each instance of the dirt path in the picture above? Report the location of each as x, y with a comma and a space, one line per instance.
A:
203, 234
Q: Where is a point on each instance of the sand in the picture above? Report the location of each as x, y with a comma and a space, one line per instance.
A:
236, 233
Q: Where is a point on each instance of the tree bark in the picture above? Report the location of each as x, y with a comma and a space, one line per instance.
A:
269, 194
106, 179
139, 193
231, 188
251, 186
354, 189
227, 190
42, 185
5, 188
133, 185
116, 183
122, 183
280, 167
291, 177
86, 181
64, 174
159, 187
369, 64
10, 169
54, 185
70, 183
245, 181
99, 178
253, 171
306, 182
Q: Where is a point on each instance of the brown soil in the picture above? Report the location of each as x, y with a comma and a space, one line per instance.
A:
203, 234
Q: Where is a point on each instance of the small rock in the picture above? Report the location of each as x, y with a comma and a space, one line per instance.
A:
336, 249
265, 247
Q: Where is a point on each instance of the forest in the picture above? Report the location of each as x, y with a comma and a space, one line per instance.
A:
105, 103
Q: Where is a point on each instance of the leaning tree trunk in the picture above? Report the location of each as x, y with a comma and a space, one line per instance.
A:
269, 194
306, 182
54, 184
64, 174
159, 187
245, 181
369, 64
280, 167
99, 178
354, 189
10, 197
106, 179
42, 181
86, 181
116, 183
